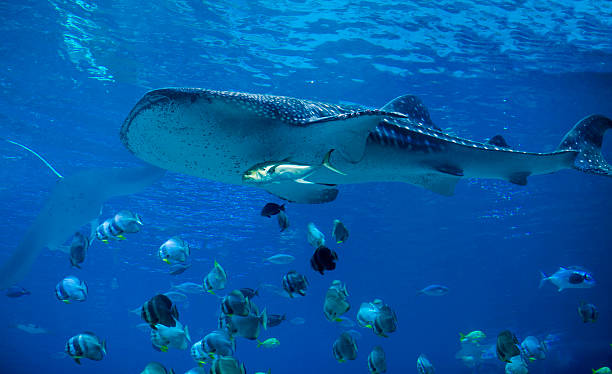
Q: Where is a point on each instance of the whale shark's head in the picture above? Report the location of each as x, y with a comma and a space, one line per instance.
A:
220, 135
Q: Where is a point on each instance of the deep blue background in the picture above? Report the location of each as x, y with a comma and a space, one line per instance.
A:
71, 71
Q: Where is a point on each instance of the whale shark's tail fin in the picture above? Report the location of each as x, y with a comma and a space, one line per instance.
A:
586, 138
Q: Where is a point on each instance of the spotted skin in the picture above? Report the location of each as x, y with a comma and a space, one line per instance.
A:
587, 138
287, 109
219, 135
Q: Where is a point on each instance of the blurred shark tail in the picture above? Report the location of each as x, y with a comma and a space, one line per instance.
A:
543, 279
586, 138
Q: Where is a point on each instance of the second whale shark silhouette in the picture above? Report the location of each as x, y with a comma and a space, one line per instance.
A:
220, 135
76, 200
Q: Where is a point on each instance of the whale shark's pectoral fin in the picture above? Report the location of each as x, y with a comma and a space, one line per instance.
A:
350, 131
443, 184
519, 178
302, 191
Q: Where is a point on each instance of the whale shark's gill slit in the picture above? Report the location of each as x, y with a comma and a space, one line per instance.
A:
41, 158
413, 108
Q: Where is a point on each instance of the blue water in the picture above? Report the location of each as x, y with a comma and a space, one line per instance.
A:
71, 71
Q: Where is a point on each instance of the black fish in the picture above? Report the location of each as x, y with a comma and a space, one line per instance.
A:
339, 233
385, 322
272, 209
588, 312
577, 278
159, 310
283, 221
507, 346
294, 282
78, 249
16, 291
345, 348
323, 259
249, 292
275, 319
235, 303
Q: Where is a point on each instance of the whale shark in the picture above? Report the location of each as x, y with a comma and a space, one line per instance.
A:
76, 200
221, 135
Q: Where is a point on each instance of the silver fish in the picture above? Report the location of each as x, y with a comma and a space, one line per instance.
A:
424, 366
196, 370
339, 233
31, 328
434, 290
533, 349
335, 301
235, 303
176, 297
280, 259
345, 348
78, 249
86, 345
165, 337
247, 327
189, 287
368, 312
297, 321
571, 277
377, 362
315, 237
156, 368
216, 343
71, 289
174, 250
283, 220
215, 279
226, 365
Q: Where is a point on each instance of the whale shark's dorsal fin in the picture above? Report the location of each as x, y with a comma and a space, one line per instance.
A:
412, 107
499, 141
